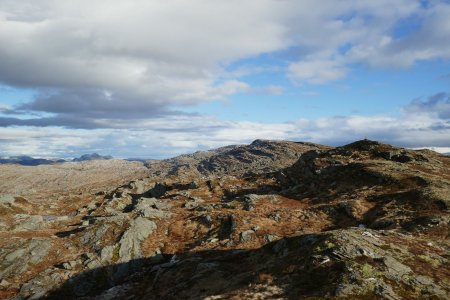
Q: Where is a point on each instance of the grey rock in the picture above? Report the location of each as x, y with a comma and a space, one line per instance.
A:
40, 285
92, 206
67, 266
87, 256
87, 237
138, 186
193, 202
7, 199
385, 291
152, 213
4, 283
15, 255
271, 238
28, 222
152, 208
101, 230
106, 254
130, 243
157, 191
250, 201
246, 236
93, 264
70, 265
206, 219
38, 249
275, 216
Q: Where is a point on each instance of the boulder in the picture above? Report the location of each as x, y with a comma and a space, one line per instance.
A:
130, 243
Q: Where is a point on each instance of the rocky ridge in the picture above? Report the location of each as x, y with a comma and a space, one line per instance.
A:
271, 220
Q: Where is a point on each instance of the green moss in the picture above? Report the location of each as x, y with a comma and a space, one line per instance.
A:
367, 271
326, 245
115, 256
433, 262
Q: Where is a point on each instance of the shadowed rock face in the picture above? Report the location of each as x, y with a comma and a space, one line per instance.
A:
271, 220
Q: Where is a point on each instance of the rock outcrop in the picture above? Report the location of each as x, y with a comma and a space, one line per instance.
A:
270, 220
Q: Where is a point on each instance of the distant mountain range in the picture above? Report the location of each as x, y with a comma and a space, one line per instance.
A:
25, 160
93, 156
29, 161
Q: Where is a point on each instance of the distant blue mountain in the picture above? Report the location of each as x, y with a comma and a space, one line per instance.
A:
29, 161
25, 160
93, 156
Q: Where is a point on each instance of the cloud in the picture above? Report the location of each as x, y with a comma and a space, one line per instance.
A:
366, 34
416, 126
156, 53
316, 72
136, 64
438, 105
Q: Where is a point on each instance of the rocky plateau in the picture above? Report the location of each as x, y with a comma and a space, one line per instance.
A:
269, 220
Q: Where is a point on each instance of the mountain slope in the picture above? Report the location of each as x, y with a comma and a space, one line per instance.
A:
269, 220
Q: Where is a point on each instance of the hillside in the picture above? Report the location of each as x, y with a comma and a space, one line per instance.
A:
269, 220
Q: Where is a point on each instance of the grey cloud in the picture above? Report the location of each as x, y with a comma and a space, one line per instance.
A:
93, 103
173, 53
438, 104
417, 126
428, 42
116, 65
68, 122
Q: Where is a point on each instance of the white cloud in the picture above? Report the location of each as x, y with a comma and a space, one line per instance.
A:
316, 72
169, 136
124, 64
164, 53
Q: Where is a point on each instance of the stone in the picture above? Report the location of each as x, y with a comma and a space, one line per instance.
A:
193, 203
246, 236
28, 222
152, 213
158, 190
92, 206
271, 238
93, 264
275, 216
250, 201
101, 230
7, 199
205, 219
130, 243
152, 208
38, 249
106, 254
138, 186
15, 255
4, 283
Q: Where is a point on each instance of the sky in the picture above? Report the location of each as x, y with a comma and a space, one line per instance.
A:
158, 78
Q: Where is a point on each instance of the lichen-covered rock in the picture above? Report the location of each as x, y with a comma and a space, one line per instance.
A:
130, 243
16, 258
